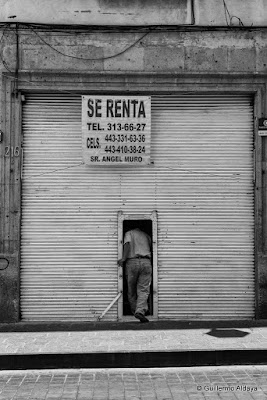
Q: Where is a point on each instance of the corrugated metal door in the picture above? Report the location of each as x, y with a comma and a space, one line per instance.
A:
200, 183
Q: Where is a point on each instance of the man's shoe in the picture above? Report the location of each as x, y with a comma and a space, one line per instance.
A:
141, 317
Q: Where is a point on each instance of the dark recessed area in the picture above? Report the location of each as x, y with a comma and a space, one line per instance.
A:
146, 226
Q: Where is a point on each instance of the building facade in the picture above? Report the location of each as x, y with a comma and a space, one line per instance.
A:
191, 164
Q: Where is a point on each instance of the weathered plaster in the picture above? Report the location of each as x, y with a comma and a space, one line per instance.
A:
97, 12
248, 12
217, 51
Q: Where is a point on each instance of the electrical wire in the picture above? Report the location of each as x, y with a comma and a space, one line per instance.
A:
229, 18
88, 29
25, 29
239, 19
227, 14
92, 59
81, 30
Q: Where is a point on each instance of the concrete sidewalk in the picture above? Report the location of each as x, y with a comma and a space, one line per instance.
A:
132, 340
135, 345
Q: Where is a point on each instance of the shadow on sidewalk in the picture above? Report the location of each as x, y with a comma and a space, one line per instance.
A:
227, 333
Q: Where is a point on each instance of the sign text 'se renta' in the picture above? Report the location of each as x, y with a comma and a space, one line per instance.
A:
116, 130
117, 108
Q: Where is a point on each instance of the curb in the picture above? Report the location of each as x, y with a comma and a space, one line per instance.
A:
133, 359
135, 325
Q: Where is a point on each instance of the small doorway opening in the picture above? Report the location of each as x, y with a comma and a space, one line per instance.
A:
146, 226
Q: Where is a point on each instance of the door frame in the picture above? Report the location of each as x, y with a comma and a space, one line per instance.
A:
131, 216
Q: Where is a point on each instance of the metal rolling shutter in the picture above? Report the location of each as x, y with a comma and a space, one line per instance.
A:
201, 184
206, 202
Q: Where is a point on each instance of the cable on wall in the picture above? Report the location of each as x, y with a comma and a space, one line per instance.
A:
93, 59
229, 18
226, 13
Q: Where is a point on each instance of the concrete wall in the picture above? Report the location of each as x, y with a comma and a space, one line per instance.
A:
135, 12
198, 52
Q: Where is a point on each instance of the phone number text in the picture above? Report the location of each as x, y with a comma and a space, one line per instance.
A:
125, 149
125, 127
125, 138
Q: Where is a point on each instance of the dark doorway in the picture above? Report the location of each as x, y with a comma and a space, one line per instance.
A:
146, 226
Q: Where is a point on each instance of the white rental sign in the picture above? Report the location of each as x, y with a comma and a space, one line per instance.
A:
116, 130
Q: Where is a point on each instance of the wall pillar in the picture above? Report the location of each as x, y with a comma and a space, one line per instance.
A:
10, 158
